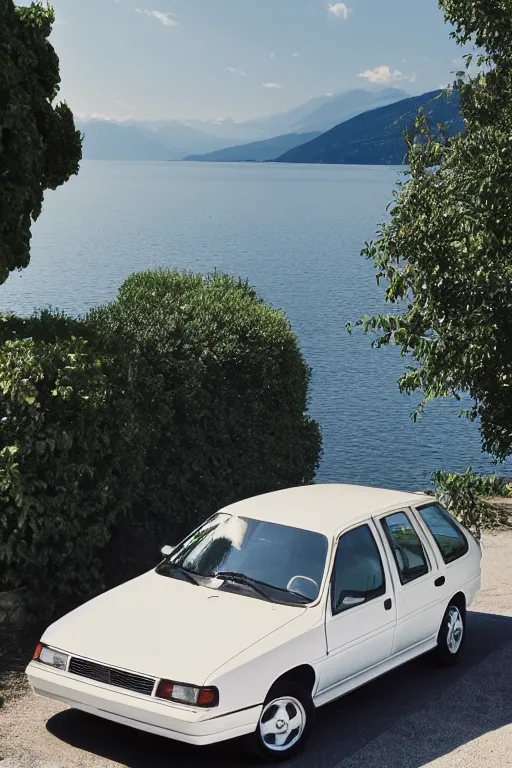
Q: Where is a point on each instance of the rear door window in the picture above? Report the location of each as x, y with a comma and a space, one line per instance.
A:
449, 538
410, 557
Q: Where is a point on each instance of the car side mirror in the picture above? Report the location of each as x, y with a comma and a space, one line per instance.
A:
167, 550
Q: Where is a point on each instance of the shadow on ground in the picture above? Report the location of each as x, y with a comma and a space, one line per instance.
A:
428, 712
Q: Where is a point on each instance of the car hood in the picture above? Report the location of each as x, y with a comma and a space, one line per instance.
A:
164, 627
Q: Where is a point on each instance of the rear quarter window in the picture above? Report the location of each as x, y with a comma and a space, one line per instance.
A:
449, 538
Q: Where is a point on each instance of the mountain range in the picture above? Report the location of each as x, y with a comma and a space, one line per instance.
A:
338, 109
376, 137
256, 151
364, 127
171, 140
174, 140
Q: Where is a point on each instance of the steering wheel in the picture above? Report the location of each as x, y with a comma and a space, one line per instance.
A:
304, 578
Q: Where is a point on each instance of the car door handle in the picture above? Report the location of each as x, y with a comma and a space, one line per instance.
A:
440, 581
388, 604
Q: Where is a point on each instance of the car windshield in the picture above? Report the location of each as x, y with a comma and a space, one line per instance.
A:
285, 564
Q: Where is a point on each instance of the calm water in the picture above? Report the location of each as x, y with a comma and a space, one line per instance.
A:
296, 232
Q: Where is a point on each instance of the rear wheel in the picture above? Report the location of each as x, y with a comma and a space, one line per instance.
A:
285, 723
452, 635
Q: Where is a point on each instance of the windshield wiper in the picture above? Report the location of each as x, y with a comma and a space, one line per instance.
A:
302, 598
182, 571
240, 578
254, 583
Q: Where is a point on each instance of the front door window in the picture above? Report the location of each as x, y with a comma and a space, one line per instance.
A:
362, 620
358, 572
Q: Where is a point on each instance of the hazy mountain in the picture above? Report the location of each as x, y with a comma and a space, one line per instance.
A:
108, 140
283, 122
223, 128
256, 151
376, 137
315, 115
344, 106
166, 140
261, 128
173, 134
174, 140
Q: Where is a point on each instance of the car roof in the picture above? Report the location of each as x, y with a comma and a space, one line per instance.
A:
324, 508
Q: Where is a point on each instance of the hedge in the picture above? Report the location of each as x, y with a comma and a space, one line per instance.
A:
122, 430
65, 439
219, 381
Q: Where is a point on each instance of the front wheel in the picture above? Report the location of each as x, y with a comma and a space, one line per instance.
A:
452, 635
285, 723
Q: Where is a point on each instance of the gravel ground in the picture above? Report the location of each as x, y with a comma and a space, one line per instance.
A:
412, 717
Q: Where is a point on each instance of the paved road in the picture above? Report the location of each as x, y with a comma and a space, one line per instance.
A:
415, 716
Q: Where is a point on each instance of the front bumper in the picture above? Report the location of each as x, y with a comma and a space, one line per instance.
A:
144, 713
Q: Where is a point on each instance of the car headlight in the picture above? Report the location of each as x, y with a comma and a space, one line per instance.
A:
187, 694
52, 658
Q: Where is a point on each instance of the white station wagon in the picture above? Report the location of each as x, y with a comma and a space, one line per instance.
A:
273, 607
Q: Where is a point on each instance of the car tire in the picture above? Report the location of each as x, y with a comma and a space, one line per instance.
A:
451, 637
285, 723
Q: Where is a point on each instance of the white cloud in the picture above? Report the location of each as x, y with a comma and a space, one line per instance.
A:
386, 75
272, 55
165, 18
272, 85
295, 55
236, 71
339, 10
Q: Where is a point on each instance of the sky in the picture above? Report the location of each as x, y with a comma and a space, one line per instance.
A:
211, 59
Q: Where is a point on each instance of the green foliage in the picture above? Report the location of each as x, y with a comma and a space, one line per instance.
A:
219, 383
445, 253
39, 145
184, 394
65, 442
467, 497
48, 325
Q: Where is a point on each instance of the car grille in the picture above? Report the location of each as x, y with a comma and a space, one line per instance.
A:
111, 676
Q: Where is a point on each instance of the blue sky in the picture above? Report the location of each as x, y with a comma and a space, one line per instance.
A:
208, 59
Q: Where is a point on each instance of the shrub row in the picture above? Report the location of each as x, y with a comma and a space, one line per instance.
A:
123, 429
469, 497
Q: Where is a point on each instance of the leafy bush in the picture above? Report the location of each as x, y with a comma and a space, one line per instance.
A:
184, 394
467, 497
65, 441
47, 325
221, 387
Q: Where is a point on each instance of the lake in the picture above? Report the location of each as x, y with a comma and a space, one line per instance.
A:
296, 233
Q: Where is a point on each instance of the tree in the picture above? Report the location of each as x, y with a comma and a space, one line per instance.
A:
39, 145
445, 254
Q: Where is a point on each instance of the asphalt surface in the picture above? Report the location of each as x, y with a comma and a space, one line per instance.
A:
415, 716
